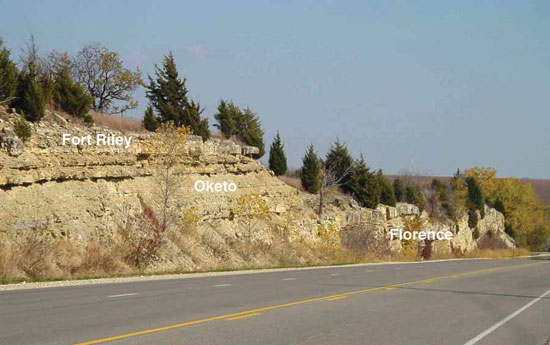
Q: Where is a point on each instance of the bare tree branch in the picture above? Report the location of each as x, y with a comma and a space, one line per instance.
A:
329, 179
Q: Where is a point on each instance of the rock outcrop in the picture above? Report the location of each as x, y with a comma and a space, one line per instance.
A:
85, 191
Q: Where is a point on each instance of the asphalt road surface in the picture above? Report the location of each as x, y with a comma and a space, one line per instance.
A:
450, 302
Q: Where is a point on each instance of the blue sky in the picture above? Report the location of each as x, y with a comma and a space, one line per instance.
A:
427, 86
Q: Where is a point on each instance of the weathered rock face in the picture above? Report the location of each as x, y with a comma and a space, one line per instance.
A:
80, 189
11, 143
85, 191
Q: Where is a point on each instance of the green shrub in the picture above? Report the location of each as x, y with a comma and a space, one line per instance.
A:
22, 129
475, 233
472, 219
150, 121
88, 119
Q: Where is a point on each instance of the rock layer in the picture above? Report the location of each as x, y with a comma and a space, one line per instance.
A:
83, 191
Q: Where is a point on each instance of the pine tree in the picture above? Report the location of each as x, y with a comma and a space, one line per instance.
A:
196, 123
227, 112
150, 121
68, 95
365, 186
8, 74
413, 195
245, 125
340, 162
475, 198
249, 130
22, 128
387, 194
399, 190
29, 95
277, 158
48, 88
309, 174
168, 95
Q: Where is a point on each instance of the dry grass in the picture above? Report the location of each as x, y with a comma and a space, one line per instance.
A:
496, 253
292, 181
234, 139
117, 123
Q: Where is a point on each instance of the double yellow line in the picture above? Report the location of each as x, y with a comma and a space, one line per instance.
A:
254, 312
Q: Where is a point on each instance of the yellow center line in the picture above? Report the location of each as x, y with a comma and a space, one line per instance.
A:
336, 298
311, 300
243, 316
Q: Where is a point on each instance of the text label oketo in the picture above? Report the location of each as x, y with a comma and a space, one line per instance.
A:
207, 186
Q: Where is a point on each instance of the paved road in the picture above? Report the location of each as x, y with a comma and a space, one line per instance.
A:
451, 302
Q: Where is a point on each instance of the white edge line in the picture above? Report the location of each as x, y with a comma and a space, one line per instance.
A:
506, 319
289, 279
220, 285
123, 295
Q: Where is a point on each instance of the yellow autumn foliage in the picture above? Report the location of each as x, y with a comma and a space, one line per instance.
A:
524, 213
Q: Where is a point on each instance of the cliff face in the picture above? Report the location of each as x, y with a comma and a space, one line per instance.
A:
83, 192
80, 189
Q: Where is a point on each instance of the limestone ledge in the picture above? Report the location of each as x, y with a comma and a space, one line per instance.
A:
45, 158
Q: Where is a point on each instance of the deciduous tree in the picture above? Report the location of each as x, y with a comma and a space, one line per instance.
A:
111, 85
167, 149
250, 210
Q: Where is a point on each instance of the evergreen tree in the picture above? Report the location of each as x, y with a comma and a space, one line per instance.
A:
245, 125
309, 174
365, 186
249, 130
277, 158
226, 115
413, 195
399, 190
196, 123
48, 88
475, 198
29, 95
68, 95
387, 194
8, 74
168, 95
150, 121
22, 128
340, 162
